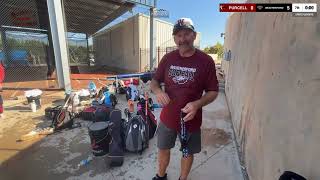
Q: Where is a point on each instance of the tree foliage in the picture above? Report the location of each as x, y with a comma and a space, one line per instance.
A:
216, 49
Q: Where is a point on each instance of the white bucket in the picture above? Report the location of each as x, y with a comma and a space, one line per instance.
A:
33, 106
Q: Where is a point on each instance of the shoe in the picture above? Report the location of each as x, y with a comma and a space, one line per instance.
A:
157, 177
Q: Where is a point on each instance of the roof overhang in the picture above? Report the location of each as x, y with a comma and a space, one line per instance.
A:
89, 16
82, 16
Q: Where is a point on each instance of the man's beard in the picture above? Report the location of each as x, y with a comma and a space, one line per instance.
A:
186, 45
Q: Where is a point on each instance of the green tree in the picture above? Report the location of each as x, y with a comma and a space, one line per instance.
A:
208, 50
218, 49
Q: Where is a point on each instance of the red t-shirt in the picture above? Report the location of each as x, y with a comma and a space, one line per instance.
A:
185, 79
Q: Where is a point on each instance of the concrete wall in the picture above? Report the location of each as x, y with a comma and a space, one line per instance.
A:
125, 46
118, 47
273, 91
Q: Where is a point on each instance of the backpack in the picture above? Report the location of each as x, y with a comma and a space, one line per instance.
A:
149, 118
128, 93
104, 91
110, 100
132, 92
62, 120
92, 89
137, 135
114, 100
288, 175
151, 121
51, 112
88, 113
107, 99
120, 88
116, 149
102, 113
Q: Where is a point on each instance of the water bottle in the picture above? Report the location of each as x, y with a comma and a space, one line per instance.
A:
157, 106
85, 161
33, 106
76, 100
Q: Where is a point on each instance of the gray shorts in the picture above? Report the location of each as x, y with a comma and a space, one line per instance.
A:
167, 138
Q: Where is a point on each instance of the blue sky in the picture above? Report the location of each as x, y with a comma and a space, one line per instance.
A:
204, 13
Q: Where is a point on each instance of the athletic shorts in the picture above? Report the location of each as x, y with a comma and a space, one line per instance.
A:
167, 137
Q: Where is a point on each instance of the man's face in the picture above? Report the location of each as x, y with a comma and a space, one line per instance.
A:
184, 38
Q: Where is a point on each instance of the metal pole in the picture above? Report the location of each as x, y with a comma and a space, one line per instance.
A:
140, 60
88, 49
57, 25
50, 54
152, 37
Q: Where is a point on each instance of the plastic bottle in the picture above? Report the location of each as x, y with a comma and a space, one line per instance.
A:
76, 100
85, 161
33, 106
156, 106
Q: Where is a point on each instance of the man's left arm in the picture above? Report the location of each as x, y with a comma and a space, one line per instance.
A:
192, 107
206, 99
211, 92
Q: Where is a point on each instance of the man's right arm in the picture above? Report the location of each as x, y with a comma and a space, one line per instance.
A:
159, 77
155, 86
162, 97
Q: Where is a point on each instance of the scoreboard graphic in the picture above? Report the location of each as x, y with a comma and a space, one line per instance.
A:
297, 9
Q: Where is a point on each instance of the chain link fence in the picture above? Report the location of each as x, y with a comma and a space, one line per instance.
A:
26, 49
145, 56
24, 46
160, 52
78, 49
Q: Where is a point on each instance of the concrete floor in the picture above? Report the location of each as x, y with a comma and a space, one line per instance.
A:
57, 156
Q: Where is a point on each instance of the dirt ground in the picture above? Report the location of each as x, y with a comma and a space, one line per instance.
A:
56, 156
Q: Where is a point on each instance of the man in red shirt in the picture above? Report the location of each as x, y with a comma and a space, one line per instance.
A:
186, 73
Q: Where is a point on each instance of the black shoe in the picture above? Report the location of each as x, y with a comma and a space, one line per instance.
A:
157, 177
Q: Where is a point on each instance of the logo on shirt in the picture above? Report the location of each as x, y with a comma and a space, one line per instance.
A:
181, 75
